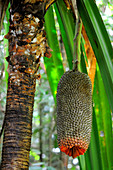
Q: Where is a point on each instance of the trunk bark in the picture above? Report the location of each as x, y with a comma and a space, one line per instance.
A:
41, 131
27, 43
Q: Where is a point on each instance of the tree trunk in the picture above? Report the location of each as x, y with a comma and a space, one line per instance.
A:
27, 43
41, 131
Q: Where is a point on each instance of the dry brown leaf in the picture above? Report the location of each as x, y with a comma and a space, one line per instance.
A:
91, 65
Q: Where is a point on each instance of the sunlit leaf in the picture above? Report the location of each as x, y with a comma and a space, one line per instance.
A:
100, 43
54, 66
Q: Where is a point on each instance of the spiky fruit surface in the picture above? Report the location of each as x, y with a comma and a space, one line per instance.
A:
74, 113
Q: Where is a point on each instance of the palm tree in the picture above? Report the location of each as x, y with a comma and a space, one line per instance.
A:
27, 44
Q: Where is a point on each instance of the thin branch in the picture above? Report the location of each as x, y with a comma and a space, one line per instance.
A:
77, 40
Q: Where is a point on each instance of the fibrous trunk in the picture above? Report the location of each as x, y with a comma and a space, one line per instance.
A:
27, 43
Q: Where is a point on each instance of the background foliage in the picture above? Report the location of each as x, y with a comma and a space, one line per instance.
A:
45, 154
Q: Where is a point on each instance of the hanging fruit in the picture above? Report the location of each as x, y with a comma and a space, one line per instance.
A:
74, 113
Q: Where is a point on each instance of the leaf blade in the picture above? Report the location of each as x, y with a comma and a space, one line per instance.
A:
104, 59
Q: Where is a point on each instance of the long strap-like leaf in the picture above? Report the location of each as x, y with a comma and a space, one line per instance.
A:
100, 43
54, 66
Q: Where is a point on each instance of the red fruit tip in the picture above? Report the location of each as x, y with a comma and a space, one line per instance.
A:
74, 151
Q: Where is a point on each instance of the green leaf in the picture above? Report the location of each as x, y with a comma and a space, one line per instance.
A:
67, 27
82, 162
6, 43
54, 66
100, 43
52, 75
94, 148
53, 41
103, 114
92, 156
